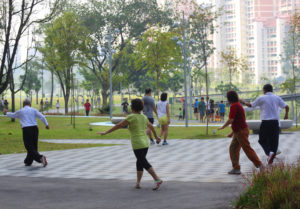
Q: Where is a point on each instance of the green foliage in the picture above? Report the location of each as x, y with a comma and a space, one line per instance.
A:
277, 187
32, 81
158, 53
105, 109
223, 88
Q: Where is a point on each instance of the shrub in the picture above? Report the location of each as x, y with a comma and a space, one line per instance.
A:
277, 187
104, 109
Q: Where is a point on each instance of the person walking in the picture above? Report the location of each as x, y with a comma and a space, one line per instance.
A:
57, 106
27, 117
138, 123
222, 111
6, 104
240, 130
149, 108
201, 108
125, 106
269, 105
87, 107
196, 109
42, 105
163, 115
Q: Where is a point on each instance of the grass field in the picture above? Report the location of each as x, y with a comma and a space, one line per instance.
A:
60, 128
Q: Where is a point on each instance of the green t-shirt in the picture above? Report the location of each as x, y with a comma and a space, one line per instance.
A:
137, 127
201, 106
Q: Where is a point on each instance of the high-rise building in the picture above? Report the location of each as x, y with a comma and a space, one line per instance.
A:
257, 29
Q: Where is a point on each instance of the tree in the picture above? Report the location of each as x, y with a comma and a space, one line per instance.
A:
31, 80
125, 21
16, 18
223, 88
234, 63
292, 54
64, 49
158, 53
202, 28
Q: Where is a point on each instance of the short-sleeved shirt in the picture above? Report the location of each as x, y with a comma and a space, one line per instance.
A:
237, 113
196, 104
87, 106
149, 104
269, 105
201, 106
137, 127
222, 108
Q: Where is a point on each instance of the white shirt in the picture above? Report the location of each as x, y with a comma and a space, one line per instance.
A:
269, 105
27, 116
57, 105
161, 108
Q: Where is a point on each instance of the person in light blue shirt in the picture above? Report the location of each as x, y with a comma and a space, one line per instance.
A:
196, 108
222, 110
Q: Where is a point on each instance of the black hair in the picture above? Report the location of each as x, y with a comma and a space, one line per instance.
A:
148, 90
179, 108
137, 105
163, 97
268, 88
196, 99
232, 96
202, 98
222, 101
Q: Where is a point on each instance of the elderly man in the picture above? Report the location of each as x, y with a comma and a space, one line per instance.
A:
27, 117
269, 105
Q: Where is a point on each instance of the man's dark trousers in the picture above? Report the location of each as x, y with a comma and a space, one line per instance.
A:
30, 139
269, 136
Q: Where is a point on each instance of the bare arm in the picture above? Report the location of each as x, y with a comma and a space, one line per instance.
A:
245, 103
228, 122
150, 126
168, 114
155, 111
286, 116
116, 127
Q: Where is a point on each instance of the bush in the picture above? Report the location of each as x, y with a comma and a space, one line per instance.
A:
104, 109
277, 187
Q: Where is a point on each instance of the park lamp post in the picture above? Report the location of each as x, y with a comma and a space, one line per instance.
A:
185, 46
109, 52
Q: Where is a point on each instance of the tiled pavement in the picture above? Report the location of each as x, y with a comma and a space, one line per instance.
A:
182, 160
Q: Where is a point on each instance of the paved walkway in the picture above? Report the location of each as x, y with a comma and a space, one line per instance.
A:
182, 160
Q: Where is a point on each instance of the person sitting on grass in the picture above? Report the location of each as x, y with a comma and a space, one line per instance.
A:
138, 124
27, 117
163, 115
240, 130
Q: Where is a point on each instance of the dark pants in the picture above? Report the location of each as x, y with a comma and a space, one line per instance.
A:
30, 139
141, 162
87, 112
269, 136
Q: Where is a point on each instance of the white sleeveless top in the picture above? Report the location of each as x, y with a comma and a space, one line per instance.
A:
161, 108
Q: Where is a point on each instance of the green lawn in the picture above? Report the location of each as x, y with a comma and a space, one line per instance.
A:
60, 128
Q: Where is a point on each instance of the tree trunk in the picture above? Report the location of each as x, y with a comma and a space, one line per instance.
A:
52, 88
13, 104
104, 97
66, 98
37, 97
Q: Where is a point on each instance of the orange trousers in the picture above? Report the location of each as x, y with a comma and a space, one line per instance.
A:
240, 140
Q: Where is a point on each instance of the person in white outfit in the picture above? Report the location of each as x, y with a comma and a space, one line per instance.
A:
163, 115
57, 106
27, 117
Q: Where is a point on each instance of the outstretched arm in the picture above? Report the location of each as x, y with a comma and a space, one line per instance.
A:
286, 116
248, 104
42, 118
116, 127
12, 114
228, 122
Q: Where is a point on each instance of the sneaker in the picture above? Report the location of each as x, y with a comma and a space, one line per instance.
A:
152, 141
44, 161
165, 143
235, 171
157, 184
278, 152
271, 158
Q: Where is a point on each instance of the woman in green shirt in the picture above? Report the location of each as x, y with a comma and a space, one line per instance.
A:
138, 124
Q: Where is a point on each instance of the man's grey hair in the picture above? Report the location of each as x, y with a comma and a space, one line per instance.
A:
26, 102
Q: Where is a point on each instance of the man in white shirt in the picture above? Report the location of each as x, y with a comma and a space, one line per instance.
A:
27, 117
269, 105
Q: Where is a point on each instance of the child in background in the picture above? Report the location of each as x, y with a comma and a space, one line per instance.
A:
180, 114
138, 124
163, 115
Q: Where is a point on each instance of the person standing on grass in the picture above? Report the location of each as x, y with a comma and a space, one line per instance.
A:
222, 110
269, 105
163, 115
125, 106
201, 108
196, 109
27, 117
138, 124
87, 107
240, 130
149, 108
57, 106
